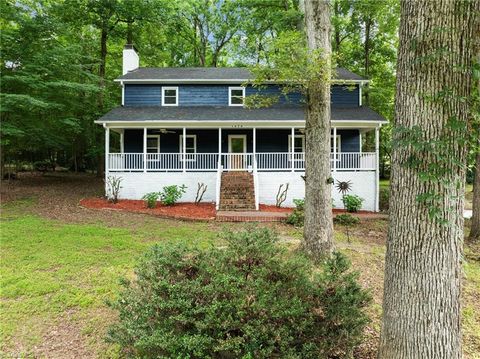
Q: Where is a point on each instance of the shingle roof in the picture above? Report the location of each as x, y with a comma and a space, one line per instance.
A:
211, 73
273, 114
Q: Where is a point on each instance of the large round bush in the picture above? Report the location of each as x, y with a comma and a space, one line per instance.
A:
250, 299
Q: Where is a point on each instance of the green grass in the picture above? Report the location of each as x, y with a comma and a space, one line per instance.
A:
49, 267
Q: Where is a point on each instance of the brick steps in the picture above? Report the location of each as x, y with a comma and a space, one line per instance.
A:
237, 192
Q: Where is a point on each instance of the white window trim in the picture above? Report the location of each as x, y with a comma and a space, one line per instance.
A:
339, 143
230, 137
163, 95
158, 143
230, 88
290, 142
180, 146
298, 158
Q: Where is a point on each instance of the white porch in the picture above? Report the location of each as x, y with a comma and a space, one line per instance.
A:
144, 172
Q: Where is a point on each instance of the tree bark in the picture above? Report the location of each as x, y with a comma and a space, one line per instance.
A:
318, 228
421, 304
368, 27
475, 228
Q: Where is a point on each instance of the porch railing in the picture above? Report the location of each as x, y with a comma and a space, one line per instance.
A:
271, 161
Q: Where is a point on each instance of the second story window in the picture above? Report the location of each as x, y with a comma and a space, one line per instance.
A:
169, 96
236, 96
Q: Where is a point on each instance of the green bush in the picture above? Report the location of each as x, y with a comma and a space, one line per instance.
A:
297, 218
171, 194
384, 199
352, 203
151, 199
346, 219
248, 300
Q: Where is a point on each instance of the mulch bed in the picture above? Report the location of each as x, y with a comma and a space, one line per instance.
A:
186, 211
270, 208
191, 211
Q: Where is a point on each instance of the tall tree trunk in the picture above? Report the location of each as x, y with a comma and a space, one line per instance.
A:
368, 28
421, 305
101, 75
130, 33
318, 229
336, 11
475, 229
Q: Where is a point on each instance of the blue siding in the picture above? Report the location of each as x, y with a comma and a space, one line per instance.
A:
203, 95
344, 96
143, 95
274, 140
292, 99
217, 95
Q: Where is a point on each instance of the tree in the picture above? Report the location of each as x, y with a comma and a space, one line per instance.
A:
421, 304
318, 228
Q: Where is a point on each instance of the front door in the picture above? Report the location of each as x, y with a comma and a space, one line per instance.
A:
237, 148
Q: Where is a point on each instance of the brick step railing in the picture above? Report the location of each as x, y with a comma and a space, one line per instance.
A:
237, 192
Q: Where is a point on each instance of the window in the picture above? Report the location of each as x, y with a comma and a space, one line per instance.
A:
299, 143
236, 96
153, 144
169, 96
339, 145
190, 146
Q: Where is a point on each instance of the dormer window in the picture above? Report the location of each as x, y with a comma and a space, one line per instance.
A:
236, 95
169, 96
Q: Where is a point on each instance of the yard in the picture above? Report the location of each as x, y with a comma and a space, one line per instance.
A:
61, 263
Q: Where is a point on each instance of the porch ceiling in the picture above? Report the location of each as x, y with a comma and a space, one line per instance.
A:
274, 115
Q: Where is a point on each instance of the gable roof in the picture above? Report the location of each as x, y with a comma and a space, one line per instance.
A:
229, 114
211, 74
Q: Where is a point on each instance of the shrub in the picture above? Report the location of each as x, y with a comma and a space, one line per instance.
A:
346, 219
352, 203
114, 185
384, 199
248, 300
151, 199
171, 194
297, 217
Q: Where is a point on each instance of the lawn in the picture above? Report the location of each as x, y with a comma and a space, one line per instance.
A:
62, 263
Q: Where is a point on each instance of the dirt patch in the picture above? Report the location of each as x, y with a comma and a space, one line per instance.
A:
64, 340
186, 211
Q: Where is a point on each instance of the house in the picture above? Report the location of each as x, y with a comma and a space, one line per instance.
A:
189, 126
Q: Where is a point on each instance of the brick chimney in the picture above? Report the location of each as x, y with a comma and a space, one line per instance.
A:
131, 61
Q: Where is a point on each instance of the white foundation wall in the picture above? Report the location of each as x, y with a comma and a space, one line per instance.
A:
363, 184
136, 185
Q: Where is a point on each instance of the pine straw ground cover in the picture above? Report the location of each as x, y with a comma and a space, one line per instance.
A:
61, 263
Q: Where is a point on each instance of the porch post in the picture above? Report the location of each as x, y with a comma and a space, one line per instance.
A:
184, 145
122, 142
254, 144
292, 144
107, 151
144, 149
360, 138
334, 149
377, 166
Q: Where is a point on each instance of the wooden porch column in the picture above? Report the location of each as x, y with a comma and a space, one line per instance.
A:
334, 149
144, 149
292, 144
377, 166
360, 138
219, 162
107, 151
122, 142
184, 150
254, 144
